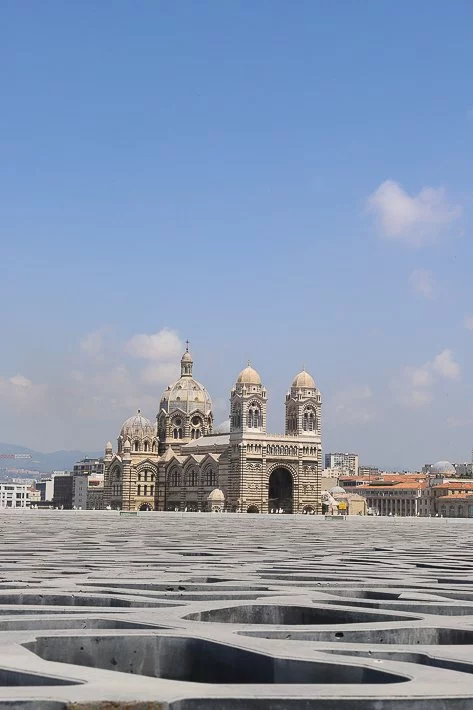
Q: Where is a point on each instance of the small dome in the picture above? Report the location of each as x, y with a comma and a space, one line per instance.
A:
187, 357
137, 426
108, 446
216, 495
336, 489
443, 467
249, 376
303, 379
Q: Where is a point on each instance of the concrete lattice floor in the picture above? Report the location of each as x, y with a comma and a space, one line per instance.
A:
192, 611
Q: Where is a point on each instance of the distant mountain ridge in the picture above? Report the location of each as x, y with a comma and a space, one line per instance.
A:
54, 461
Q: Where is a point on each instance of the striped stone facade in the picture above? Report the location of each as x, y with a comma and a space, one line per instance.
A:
179, 464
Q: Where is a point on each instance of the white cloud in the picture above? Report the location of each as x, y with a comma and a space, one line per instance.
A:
412, 220
92, 344
445, 366
161, 373
414, 385
468, 322
422, 281
20, 393
163, 345
353, 405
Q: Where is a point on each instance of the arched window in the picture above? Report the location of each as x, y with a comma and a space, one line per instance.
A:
175, 478
145, 491
250, 419
192, 478
236, 416
153, 447
146, 475
136, 446
210, 477
139, 476
151, 490
138, 489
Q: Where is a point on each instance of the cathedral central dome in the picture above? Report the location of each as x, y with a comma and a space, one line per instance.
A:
187, 394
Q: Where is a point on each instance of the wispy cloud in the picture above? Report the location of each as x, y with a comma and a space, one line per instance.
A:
354, 405
20, 393
413, 386
93, 343
162, 345
445, 365
422, 281
410, 219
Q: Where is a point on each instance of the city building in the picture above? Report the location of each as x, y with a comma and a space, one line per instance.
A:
91, 466
46, 489
80, 485
452, 499
180, 464
397, 495
14, 495
95, 492
34, 495
62, 495
345, 464
368, 472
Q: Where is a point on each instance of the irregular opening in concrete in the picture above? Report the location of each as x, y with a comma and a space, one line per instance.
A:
15, 679
420, 658
34, 610
76, 600
361, 593
63, 623
412, 607
175, 587
408, 636
288, 615
196, 660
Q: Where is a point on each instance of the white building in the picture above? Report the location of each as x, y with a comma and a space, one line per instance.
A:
14, 495
345, 464
80, 483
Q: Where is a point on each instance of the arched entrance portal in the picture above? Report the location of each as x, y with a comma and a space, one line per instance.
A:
281, 491
145, 506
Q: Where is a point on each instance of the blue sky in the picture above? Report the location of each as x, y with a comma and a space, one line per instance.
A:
285, 182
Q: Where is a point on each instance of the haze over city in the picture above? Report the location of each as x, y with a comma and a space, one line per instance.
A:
289, 185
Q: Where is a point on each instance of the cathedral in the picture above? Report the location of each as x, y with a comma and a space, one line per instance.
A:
180, 463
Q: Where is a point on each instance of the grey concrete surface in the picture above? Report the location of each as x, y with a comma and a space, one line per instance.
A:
191, 611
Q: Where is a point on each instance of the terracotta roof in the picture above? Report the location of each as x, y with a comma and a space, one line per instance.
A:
409, 485
455, 485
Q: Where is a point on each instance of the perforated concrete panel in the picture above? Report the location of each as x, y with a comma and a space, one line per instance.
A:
193, 611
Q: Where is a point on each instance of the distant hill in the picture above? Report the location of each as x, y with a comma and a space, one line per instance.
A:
55, 461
